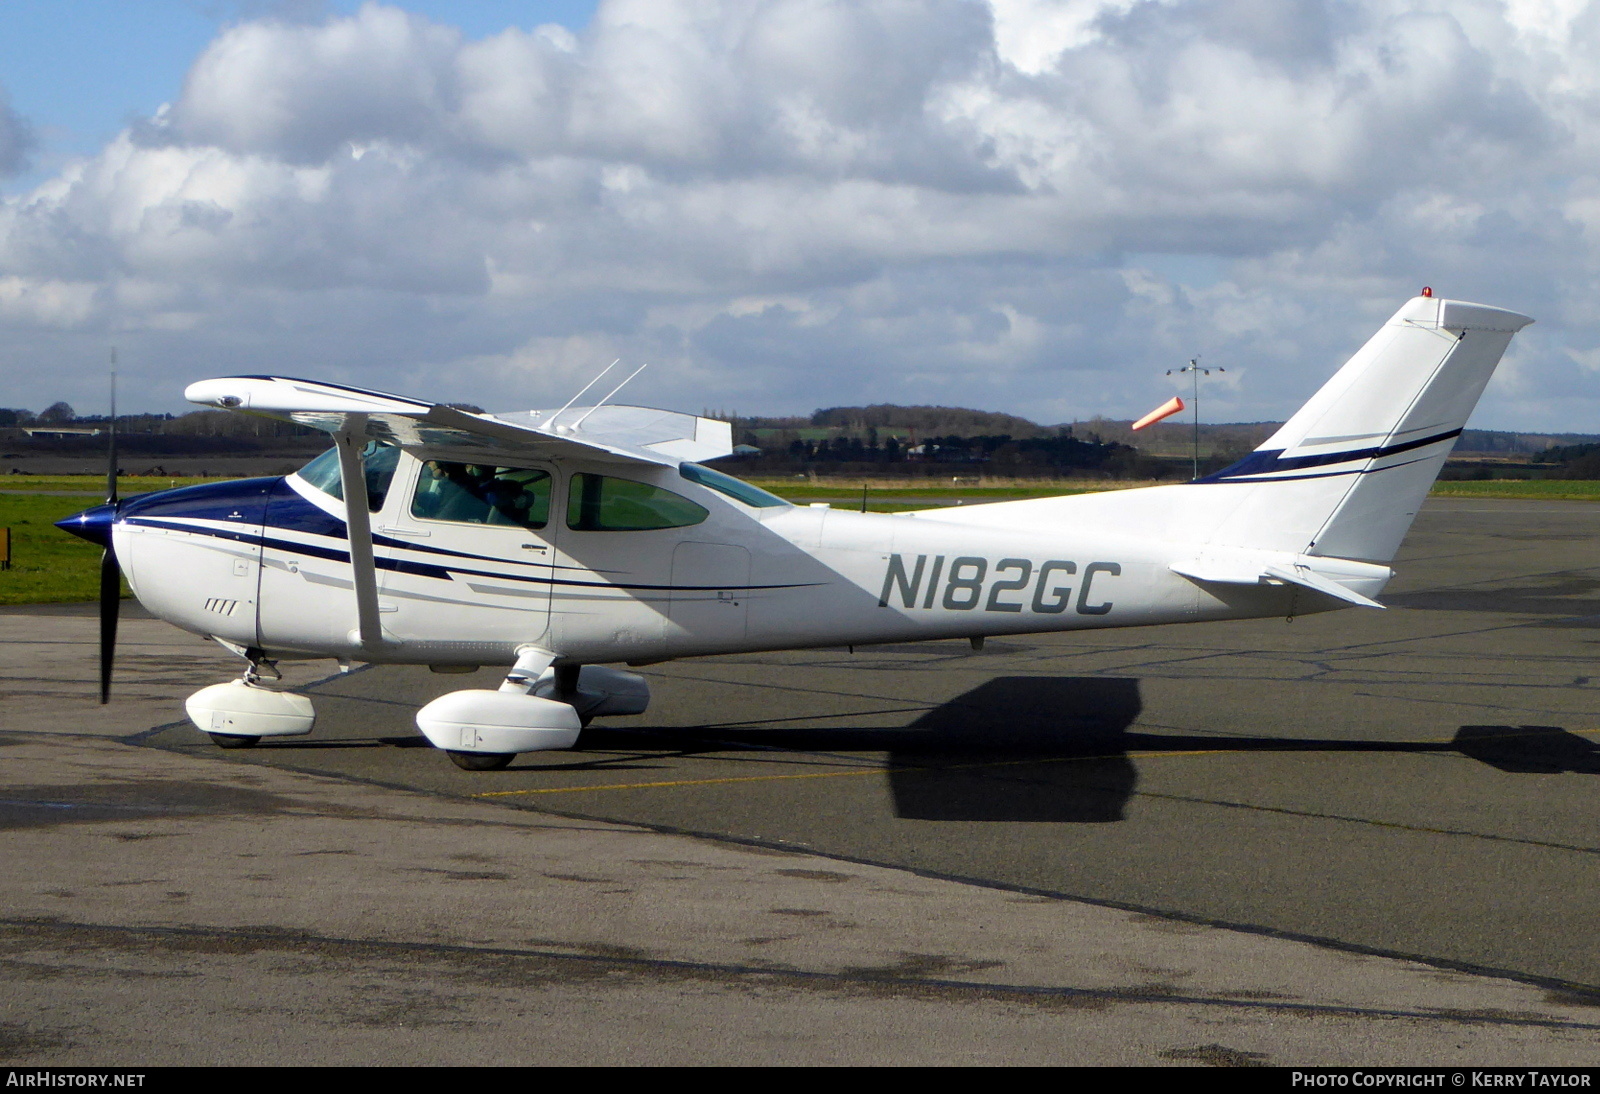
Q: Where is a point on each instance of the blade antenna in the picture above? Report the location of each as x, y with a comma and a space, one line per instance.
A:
578, 396
607, 399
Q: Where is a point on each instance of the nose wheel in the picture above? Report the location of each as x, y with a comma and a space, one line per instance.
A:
233, 740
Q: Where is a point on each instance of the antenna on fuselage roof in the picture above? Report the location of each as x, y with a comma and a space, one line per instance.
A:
578, 396
607, 399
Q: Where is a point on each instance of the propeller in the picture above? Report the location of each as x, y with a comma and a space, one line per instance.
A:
96, 525
110, 572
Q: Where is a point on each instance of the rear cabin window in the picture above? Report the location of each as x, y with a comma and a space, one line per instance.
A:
469, 493
378, 460
600, 503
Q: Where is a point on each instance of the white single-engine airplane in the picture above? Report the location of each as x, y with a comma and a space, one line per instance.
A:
562, 541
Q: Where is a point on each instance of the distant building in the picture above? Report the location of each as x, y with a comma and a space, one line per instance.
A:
60, 431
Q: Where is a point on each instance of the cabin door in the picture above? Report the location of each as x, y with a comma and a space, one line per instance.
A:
469, 550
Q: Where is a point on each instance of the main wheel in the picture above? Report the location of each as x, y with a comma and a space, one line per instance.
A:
233, 740
482, 761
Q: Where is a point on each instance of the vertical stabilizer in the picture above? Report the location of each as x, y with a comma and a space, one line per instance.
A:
1345, 476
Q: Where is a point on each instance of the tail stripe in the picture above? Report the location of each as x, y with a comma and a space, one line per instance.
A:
1258, 464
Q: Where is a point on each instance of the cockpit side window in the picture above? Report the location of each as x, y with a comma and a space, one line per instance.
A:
467, 493
600, 503
378, 460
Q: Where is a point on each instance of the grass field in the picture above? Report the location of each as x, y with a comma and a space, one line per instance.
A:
94, 485
51, 566
48, 566
1541, 489
912, 489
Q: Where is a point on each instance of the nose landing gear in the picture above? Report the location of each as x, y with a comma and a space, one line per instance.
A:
241, 712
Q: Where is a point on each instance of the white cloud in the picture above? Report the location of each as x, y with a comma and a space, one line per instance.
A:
1033, 206
33, 302
16, 138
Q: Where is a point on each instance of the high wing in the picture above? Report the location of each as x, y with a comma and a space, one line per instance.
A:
609, 434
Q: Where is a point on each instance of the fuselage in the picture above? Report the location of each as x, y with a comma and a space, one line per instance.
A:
610, 563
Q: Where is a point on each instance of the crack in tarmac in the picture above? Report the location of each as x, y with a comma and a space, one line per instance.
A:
913, 975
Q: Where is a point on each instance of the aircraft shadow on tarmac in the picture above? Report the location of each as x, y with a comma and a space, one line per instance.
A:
1532, 750
1057, 750
1022, 748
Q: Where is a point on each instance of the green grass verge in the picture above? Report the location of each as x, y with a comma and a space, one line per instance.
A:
48, 565
95, 484
1538, 489
824, 490
844, 496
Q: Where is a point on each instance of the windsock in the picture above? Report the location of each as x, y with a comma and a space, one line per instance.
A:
1165, 410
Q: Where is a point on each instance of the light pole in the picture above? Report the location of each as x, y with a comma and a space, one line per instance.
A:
1194, 369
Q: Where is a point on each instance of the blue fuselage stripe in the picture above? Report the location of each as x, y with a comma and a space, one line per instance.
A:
423, 569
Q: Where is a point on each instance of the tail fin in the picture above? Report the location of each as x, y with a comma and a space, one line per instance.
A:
1345, 476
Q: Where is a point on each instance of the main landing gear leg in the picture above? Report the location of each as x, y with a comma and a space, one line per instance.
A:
565, 689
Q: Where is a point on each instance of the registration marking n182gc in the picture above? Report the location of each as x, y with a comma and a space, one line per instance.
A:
960, 584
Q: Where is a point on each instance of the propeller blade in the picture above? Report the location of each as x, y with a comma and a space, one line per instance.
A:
110, 606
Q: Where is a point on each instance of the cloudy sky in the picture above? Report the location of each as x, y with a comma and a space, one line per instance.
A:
1035, 206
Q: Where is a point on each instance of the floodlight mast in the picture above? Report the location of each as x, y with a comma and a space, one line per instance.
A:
1194, 369
111, 437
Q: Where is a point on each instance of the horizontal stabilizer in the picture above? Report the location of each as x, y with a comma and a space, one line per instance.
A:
1308, 578
1261, 568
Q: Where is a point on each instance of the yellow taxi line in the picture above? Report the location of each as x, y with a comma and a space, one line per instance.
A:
855, 772
684, 782
838, 774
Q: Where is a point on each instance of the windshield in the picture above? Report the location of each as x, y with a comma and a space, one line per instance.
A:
378, 460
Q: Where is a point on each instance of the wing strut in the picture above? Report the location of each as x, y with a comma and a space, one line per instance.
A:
358, 520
